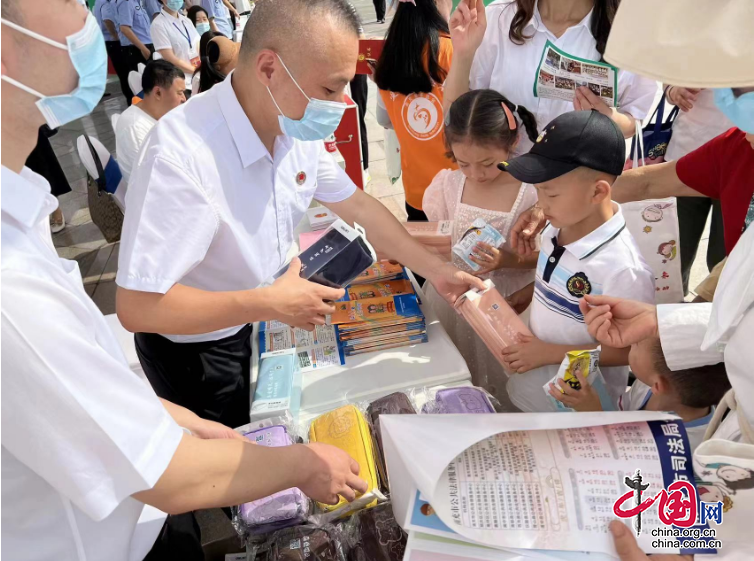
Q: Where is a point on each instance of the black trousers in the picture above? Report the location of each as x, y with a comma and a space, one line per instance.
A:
692, 217
359, 93
179, 540
415, 215
115, 52
134, 57
379, 9
210, 378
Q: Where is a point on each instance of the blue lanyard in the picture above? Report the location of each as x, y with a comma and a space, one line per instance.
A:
187, 36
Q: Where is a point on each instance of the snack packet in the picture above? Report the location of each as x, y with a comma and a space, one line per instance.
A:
480, 231
588, 364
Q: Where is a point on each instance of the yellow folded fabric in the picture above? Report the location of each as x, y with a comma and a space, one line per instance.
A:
347, 429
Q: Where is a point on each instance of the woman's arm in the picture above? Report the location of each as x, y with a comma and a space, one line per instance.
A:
169, 55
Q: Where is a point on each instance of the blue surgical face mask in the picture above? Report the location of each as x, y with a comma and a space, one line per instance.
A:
89, 57
202, 28
320, 119
739, 110
175, 5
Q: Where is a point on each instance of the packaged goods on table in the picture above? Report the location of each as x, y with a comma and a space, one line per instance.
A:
396, 403
460, 400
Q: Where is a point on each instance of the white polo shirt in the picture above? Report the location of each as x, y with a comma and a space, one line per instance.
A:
606, 261
178, 34
511, 69
131, 130
81, 432
210, 208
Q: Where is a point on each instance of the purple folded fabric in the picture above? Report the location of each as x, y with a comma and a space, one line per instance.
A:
461, 400
283, 509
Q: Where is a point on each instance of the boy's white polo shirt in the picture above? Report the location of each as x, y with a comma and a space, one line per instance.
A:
606, 261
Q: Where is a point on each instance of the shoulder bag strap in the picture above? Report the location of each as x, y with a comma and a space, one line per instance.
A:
98, 165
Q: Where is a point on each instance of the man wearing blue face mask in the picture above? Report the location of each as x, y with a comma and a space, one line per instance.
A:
86, 444
223, 181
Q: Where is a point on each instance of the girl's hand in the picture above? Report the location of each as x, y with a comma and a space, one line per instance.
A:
585, 100
490, 258
685, 98
585, 399
467, 26
529, 354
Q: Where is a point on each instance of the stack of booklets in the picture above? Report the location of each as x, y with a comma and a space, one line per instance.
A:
381, 312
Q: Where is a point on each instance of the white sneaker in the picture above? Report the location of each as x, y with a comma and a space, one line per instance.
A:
57, 222
367, 177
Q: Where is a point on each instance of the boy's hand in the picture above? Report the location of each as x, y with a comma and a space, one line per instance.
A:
585, 399
530, 353
521, 299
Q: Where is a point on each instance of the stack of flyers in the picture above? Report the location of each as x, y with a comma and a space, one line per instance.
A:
320, 217
381, 288
380, 271
314, 349
374, 324
435, 236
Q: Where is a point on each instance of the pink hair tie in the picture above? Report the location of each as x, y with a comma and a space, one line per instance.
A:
407, 2
511, 119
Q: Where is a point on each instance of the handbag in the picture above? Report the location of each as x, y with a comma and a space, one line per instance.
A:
652, 141
105, 212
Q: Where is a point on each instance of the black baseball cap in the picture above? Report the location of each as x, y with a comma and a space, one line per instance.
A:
575, 139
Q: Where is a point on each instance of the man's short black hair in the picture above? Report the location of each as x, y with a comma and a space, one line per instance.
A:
160, 73
702, 386
273, 22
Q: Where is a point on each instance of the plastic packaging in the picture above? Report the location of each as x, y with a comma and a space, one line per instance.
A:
588, 364
301, 543
380, 288
278, 388
280, 510
464, 399
378, 536
347, 429
480, 231
336, 258
397, 403
492, 318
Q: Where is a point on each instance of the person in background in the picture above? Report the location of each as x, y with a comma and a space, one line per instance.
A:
133, 29
80, 467
379, 10
481, 129
200, 19
219, 58
359, 95
490, 56
698, 122
164, 85
153, 7
43, 161
691, 393
104, 12
176, 38
219, 16
410, 72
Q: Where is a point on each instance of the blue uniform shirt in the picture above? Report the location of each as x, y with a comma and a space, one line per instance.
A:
104, 9
216, 9
134, 14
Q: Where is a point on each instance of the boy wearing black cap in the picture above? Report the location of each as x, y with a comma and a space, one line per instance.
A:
585, 249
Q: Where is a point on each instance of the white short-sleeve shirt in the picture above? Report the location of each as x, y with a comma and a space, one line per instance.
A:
606, 261
511, 69
81, 432
210, 208
131, 130
178, 34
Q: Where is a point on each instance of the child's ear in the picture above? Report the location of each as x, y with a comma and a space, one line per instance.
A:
602, 191
660, 385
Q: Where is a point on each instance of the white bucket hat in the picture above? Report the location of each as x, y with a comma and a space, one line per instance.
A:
693, 43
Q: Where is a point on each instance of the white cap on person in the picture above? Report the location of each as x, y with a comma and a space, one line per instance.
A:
692, 43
